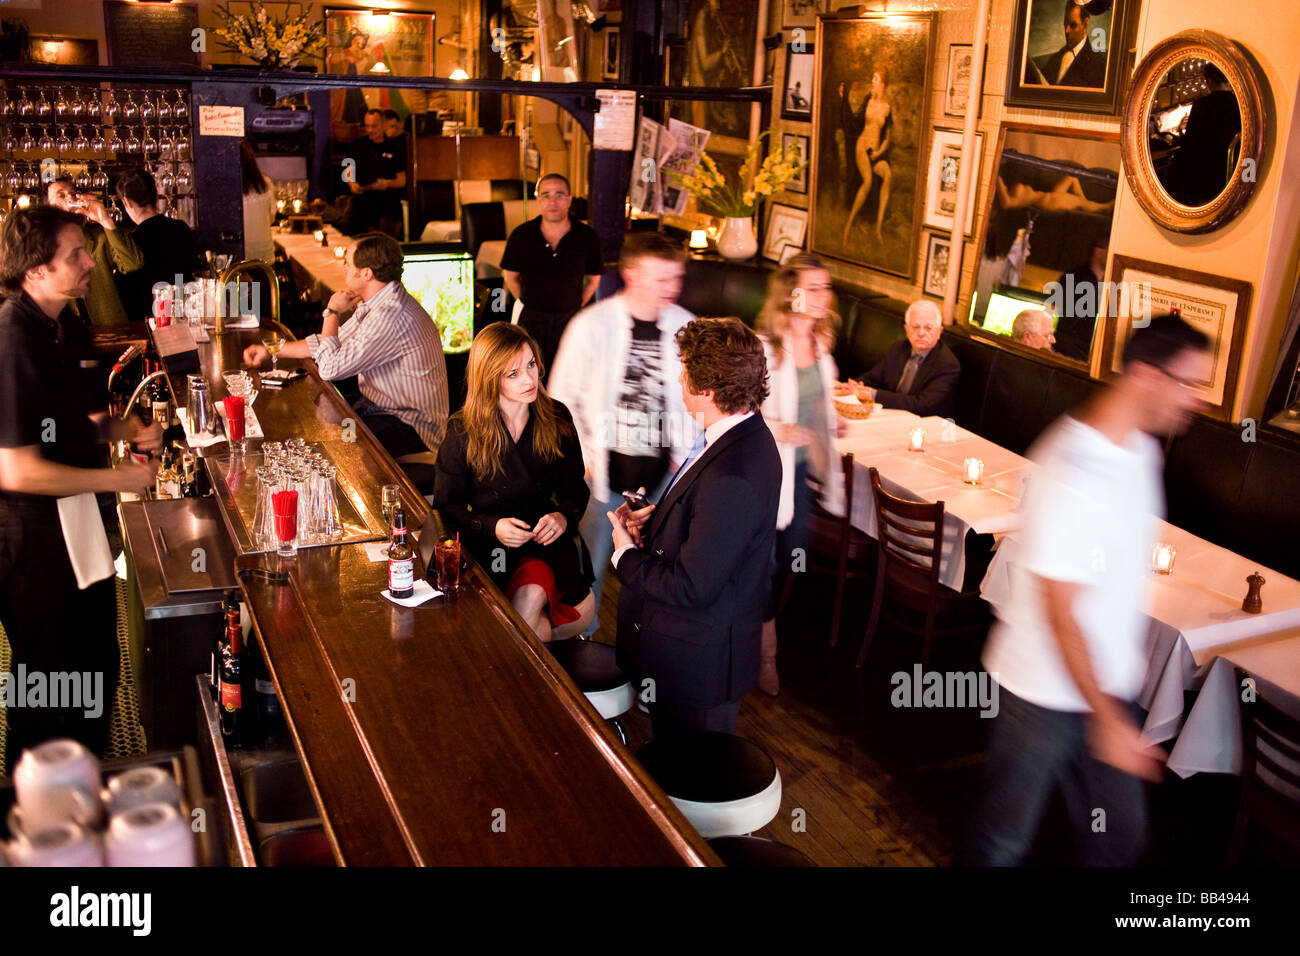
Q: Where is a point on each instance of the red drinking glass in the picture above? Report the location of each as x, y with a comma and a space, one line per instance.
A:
285, 504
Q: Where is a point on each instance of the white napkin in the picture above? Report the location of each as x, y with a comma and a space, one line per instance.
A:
87, 542
247, 321
376, 550
252, 429
423, 592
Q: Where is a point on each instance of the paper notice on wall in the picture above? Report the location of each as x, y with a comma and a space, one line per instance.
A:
643, 190
616, 121
680, 149
221, 121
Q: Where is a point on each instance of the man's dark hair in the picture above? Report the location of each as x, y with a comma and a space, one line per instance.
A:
381, 254
567, 187
138, 186
1214, 76
375, 110
1162, 340
1084, 15
392, 115
655, 245
724, 356
45, 189
29, 238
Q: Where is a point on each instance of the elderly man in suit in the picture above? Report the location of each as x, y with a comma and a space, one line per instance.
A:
1076, 63
696, 567
920, 374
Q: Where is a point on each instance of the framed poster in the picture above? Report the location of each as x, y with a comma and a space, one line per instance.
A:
1069, 54
786, 227
938, 248
941, 181
1217, 306
358, 43
720, 52
796, 102
870, 102
799, 144
609, 61
959, 73
799, 13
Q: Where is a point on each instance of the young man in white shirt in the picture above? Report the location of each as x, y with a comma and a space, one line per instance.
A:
617, 371
1068, 651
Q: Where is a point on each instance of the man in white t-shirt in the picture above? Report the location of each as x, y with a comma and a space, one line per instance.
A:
1068, 651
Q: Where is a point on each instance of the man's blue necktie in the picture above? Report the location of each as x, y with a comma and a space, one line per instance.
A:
694, 453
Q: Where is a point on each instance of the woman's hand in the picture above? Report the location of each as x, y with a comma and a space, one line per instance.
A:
843, 388
549, 528
513, 533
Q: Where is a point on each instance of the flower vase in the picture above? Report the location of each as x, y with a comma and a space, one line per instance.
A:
736, 240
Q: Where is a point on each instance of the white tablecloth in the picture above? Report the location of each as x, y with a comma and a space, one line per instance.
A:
935, 474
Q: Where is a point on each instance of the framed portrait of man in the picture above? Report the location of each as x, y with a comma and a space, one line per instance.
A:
1069, 54
868, 167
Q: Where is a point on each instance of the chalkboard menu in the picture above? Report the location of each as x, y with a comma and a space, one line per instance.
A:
151, 34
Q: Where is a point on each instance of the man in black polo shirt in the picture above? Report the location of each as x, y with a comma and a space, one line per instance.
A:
380, 183
552, 265
47, 452
170, 248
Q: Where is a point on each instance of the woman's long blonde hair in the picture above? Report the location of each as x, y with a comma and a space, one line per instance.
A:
774, 317
490, 357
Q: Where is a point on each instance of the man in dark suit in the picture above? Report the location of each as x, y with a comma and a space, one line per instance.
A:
920, 374
1076, 63
696, 567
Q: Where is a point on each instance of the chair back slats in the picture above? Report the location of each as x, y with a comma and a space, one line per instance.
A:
1275, 748
911, 536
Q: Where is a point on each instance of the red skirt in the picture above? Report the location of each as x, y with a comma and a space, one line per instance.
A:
536, 571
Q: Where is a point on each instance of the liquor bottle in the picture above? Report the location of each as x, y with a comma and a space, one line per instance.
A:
167, 483
401, 559
232, 689
160, 402
268, 702
229, 614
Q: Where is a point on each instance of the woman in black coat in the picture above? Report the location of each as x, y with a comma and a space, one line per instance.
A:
510, 481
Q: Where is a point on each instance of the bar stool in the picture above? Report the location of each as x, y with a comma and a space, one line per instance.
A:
751, 852
591, 666
724, 785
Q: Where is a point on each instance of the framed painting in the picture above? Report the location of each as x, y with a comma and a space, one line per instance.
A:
359, 43
786, 227
941, 181
1070, 54
796, 101
870, 103
938, 248
957, 91
799, 144
1046, 233
720, 52
1217, 306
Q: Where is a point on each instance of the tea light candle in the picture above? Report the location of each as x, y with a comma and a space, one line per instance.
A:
320, 236
1162, 559
297, 206
340, 251
972, 471
916, 439
280, 205
699, 239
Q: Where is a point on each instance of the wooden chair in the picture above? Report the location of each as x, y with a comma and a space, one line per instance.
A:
910, 553
1270, 781
836, 548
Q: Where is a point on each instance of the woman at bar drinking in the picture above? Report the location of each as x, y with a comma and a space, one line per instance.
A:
797, 326
509, 480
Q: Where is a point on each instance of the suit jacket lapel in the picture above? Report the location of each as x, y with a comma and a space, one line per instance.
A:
697, 468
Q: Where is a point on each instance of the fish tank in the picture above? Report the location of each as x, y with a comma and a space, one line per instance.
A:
441, 277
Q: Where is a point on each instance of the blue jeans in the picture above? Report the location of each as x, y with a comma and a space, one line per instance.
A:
597, 532
1033, 752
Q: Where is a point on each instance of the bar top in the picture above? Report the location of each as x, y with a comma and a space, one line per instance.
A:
439, 735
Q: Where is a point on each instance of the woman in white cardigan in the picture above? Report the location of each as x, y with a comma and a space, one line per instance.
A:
798, 327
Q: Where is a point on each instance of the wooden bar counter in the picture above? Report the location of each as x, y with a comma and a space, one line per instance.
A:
439, 735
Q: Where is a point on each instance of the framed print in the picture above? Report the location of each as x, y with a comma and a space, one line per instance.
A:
720, 52
1217, 306
357, 43
796, 102
786, 228
937, 250
799, 13
609, 62
959, 73
788, 253
1069, 54
1046, 233
871, 90
941, 181
798, 143
64, 51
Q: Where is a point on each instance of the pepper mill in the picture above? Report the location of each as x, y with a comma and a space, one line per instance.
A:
1253, 604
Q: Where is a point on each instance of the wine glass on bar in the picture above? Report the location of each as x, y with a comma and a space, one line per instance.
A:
274, 342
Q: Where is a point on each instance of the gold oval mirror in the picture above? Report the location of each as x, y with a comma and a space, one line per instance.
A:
1193, 133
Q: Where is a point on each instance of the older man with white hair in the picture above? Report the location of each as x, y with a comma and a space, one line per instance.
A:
919, 374
1033, 328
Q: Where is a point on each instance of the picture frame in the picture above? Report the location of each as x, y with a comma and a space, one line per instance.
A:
787, 226
852, 218
402, 41
788, 253
1091, 78
800, 13
610, 59
800, 67
724, 57
1217, 305
960, 57
941, 180
938, 247
64, 50
800, 143
1045, 234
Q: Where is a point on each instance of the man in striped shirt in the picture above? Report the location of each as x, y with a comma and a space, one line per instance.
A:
388, 342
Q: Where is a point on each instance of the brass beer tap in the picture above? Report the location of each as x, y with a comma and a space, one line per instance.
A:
232, 273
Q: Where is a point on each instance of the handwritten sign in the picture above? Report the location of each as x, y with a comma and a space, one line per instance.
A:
615, 125
151, 34
221, 121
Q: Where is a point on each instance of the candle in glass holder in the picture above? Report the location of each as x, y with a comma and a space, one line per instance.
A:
340, 252
699, 239
297, 206
972, 471
319, 236
1162, 559
916, 439
280, 205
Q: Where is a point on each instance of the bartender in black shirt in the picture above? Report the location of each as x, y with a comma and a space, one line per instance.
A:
48, 451
552, 265
380, 182
169, 247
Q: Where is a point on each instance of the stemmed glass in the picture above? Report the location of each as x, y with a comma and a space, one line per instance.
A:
99, 180
180, 112
82, 179
97, 142
46, 143
31, 179
26, 142
63, 144
111, 108
15, 179
131, 109
164, 108
10, 141
182, 179
132, 144
94, 107
26, 107
7, 106
43, 107
149, 145
82, 143
274, 342
166, 180
182, 146
61, 105
76, 106
147, 109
